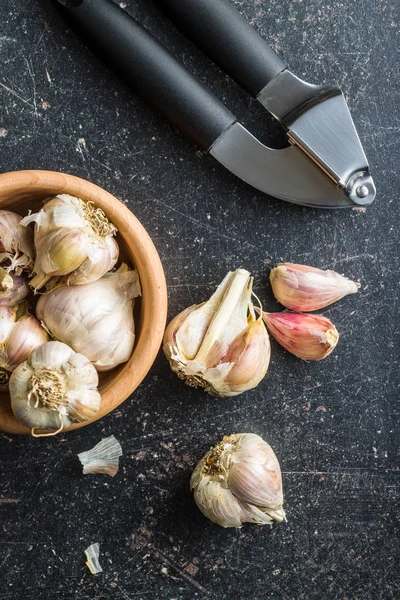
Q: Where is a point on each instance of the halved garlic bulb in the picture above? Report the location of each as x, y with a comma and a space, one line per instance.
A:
95, 319
19, 335
220, 345
73, 238
239, 481
16, 243
54, 388
304, 288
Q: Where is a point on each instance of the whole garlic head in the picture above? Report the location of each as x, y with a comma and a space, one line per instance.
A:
220, 345
94, 319
54, 388
73, 238
239, 481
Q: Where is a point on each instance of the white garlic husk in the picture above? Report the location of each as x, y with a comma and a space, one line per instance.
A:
54, 388
95, 319
102, 458
19, 335
239, 481
220, 345
13, 288
72, 238
16, 243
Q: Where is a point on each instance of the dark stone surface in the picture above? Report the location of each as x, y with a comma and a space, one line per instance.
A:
332, 424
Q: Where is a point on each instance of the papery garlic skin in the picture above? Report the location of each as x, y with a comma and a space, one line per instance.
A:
304, 288
73, 238
54, 388
239, 481
94, 319
310, 337
18, 337
16, 243
220, 345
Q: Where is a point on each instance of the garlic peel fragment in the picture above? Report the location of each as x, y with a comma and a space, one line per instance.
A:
239, 481
16, 243
303, 288
92, 554
220, 345
102, 458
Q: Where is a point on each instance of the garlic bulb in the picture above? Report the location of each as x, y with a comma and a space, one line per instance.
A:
73, 238
95, 319
220, 345
13, 288
16, 243
18, 337
311, 337
54, 388
239, 481
305, 288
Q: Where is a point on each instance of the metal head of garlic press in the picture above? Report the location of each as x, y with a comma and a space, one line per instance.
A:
324, 165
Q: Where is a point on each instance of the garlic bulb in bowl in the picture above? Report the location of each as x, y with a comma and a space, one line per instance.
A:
74, 238
95, 319
54, 388
239, 481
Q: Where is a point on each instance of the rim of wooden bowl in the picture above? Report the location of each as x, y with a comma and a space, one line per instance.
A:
21, 186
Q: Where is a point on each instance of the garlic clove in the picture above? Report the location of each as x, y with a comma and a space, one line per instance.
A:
310, 337
250, 354
304, 288
218, 504
220, 345
100, 260
27, 335
238, 481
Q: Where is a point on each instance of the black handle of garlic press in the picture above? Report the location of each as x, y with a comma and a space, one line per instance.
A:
149, 68
227, 37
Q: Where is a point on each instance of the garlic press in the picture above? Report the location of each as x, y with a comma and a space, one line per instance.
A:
324, 164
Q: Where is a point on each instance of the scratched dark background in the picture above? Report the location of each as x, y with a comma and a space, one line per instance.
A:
332, 424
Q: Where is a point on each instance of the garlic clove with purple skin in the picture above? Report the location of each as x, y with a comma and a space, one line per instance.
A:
310, 337
19, 336
304, 289
220, 345
239, 481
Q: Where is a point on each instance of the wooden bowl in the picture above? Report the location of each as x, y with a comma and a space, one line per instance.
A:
25, 190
